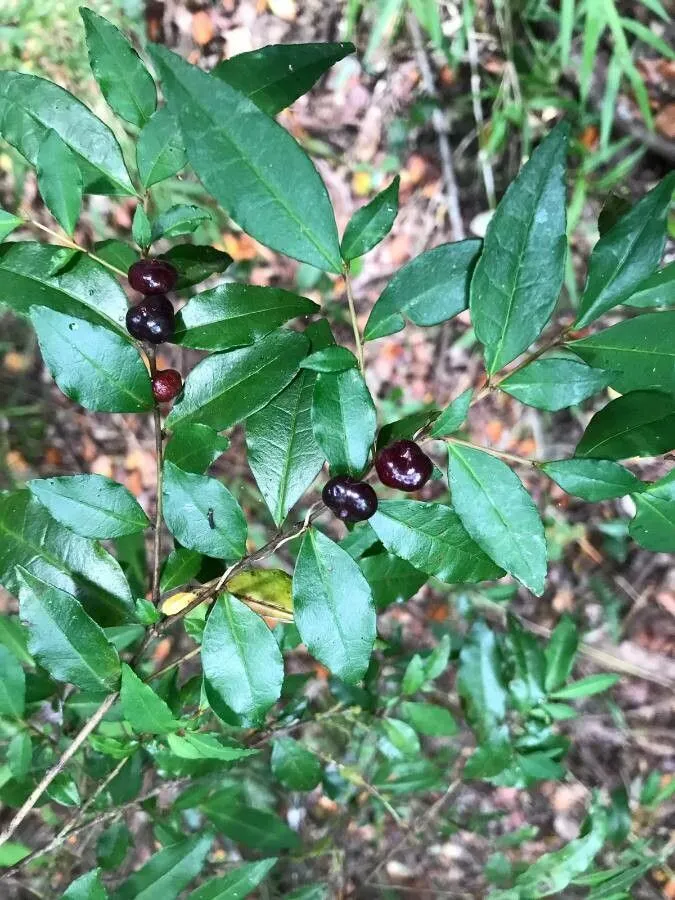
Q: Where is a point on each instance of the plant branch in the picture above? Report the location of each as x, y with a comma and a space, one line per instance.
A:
72, 822
67, 242
352, 316
159, 458
472, 50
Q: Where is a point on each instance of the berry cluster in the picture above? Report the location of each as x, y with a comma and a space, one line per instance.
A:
153, 320
401, 465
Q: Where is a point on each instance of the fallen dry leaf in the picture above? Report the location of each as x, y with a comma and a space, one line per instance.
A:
202, 27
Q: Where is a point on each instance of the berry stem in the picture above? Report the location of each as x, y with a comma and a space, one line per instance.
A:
66, 242
159, 457
501, 454
352, 316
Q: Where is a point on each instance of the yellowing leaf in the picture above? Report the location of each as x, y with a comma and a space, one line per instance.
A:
176, 603
265, 591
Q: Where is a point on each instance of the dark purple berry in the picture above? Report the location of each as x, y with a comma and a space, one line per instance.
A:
152, 276
404, 466
166, 385
151, 320
349, 499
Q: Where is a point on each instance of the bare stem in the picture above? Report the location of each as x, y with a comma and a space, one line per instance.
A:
74, 821
67, 242
352, 316
501, 454
159, 458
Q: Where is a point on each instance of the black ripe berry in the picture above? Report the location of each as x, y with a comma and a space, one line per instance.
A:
403, 465
349, 499
152, 276
166, 385
151, 320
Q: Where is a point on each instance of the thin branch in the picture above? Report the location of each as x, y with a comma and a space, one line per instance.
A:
472, 48
72, 823
352, 316
159, 458
67, 242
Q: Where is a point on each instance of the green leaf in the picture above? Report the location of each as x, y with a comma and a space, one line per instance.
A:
370, 224
273, 77
555, 383
181, 566
592, 479
117, 253
344, 420
641, 423
92, 365
391, 579
142, 708
520, 272
266, 591
236, 315
14, 636
626, 254
297, 768
8, 223
429, 719
432, 538
237, 884
196, 262
480, 680
586, 687
226, 388
654, 524
141, 230
12, 853
160, 152
86, 887
29, 537
202, 514
31, 106
334, 610
194, 447
168, 872
407, 427
84, 289
399, 739
330, 360
491, 757
90, 505
59, 181
124, 81
453, 416
12, 685
527, 684
243, 667
179, 219
112, 845
428, 290
258, 829
251, 165
20, 755
640, 352
499, 514
656, 290
64, 639
205, 746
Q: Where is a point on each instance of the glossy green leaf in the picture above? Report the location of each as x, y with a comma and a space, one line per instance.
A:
226, 388
92, 365
407, 427
330, 359
194, 745
639, 353
64, 790
12, 685
160, 152
370, 224
428, 290
64, 639
20, 754
429, 719
59, 181
480, 680
627, 254
344, 420
142, 708
112, 845
555, 383
86, 887
237, 884
124, 81
391, 579
202, 514
14, 636
655, 291
180, 219
334, 610
529, 664
117, 253
259, 829
236, 315
273, 77
196, 262
31, 106
653, 526
297, 768
90, 505
641, 423
499, 514
141, 229
181, 566
519, 275
560, 653
586, 687
398, 740
8, 223
432, 538
194, 447
29, 537
453, 416
251, 165
168, 872
84, 289
243, 666
592, 479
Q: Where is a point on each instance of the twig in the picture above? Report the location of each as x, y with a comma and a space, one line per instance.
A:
352, 316
438, 120
91, 800
472, 48
73, 245
159, 457
177, 662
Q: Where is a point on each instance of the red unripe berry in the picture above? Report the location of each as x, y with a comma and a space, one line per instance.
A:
152, 276
166, 385
404, 466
